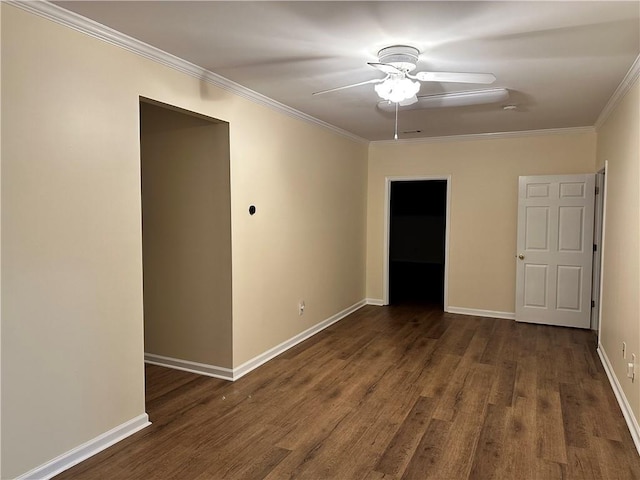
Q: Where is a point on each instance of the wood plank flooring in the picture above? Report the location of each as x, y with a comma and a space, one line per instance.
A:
390, 393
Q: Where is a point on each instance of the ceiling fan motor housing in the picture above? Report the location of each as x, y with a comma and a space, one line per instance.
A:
402, 57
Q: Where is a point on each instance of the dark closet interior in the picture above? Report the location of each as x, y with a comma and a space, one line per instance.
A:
417, 241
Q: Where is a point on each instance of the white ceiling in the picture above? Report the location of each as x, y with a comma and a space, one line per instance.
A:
561, 61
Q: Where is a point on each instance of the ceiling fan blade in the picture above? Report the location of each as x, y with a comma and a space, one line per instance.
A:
453, 99
385, 67
456, 77
408, 101
375, 80
463, 99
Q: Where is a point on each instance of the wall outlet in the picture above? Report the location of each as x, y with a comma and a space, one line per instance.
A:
624, 350
301, 307
631, 367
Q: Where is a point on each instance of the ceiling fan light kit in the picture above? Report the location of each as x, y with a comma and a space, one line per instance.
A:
397, 88
397, 61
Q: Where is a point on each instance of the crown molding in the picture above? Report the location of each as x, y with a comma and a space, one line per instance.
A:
626, 83
489, 136
94, 29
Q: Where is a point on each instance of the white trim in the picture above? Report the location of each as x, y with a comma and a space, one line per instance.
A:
603, 245
387, 230
626, 83
88, 449
385, 241
293, 341
481, 313
238, 372
378, 302
627, 412
188, 366
94, 29
489, 136
598, 233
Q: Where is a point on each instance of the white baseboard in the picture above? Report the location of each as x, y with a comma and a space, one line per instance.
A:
627, 412
375, 301
86, 450
188, 366
293, 341
240, 371
481, 313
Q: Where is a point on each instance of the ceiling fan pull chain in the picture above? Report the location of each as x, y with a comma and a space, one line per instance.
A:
395, 137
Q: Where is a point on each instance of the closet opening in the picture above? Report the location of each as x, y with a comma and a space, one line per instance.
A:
186, 239
417, 242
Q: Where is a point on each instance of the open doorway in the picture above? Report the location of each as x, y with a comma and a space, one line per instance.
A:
186, 239
417, 241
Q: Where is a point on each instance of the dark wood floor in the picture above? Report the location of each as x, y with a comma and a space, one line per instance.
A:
393, 393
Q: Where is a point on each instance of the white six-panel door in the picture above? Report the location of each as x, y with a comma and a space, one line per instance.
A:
555, 249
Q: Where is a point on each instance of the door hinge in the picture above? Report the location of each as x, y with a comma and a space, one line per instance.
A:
593, 304
597, 190
595, 247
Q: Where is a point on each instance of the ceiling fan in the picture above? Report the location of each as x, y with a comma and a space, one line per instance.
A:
401, 87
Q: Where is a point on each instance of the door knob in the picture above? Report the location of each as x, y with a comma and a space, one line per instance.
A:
521, 256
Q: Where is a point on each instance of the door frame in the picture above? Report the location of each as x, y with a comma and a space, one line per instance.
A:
602, 205
387, 231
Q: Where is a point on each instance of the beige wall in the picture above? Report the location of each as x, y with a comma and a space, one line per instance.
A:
71, 266
307, 238
619, 145
186, 236
72, 306
484, 197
